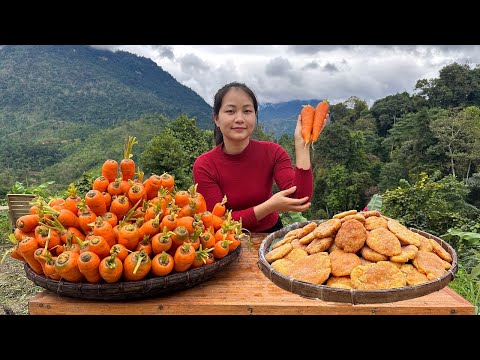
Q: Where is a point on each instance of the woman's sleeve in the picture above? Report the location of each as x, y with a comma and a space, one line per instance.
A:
286, 175
208, 187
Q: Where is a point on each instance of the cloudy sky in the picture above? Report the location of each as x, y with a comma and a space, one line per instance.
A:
278, 73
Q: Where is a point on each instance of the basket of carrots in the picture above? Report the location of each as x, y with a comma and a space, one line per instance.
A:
127, 238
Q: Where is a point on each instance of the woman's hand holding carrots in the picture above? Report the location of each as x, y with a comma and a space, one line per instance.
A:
313, 121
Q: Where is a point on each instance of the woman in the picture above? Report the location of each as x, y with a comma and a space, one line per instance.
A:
243, 169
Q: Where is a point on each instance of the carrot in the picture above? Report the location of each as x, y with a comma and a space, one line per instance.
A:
207, 219
137, 192
110, 218
129, 236
111, 268
66, 266
57, 203
120, 250
168, 181
141, 211
44, 234
108, 199
184, 257
198, 199
19, 234
105, 230
198, 223
114, 188
210, 259
88, 263
188, 210
150, 227
127, 165
187, 222
162, 241
195, 238
146, 245
120, 206
200, 257
182, 198
221, 248
207, 240
96, 202
170, 221
110, 170
39, 255
307, 113
72, 199
180, 236
136, 265
98, 245
162, 264
125, 185
319, 119
68, 218
152, 185
75, 234
85, 217
100, 183
13, 250
49, 268
217, 222
26, 248
27, 223
219, 208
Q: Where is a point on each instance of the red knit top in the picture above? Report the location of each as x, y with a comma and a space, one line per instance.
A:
247, 178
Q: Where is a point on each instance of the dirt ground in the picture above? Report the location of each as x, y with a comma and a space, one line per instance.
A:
15, 288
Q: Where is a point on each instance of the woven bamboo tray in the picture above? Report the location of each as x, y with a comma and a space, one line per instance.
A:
131, 290
353, 296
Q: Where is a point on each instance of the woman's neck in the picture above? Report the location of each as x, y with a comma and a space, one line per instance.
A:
234, 148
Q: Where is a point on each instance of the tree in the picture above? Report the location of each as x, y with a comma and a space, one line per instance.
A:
457, 86
456, 137
390, 109
175, 150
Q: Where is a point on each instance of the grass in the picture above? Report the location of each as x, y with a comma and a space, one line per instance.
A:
467, 287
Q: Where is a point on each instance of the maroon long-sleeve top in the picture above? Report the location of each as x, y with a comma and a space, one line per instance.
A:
247, 178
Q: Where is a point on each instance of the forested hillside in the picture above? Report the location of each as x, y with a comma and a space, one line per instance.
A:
56, 100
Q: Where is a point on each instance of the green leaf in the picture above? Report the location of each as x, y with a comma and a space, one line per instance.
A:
375, 203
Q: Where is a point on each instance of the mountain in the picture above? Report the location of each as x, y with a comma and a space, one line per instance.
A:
85, 85
281, 118
77, 104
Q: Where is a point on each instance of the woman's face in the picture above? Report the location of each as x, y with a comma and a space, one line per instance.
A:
236, 118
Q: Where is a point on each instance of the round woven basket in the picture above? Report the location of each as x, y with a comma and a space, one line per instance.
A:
130, 290
353, 296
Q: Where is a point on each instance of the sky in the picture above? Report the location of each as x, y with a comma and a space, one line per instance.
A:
278, 73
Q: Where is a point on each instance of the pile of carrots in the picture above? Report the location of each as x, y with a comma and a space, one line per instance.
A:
313, 121
124, 229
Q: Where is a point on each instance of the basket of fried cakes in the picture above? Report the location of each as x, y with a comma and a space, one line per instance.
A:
357, 257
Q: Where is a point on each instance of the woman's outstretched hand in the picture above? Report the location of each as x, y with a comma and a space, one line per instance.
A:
281, 202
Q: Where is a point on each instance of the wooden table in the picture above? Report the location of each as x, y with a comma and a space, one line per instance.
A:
242, 289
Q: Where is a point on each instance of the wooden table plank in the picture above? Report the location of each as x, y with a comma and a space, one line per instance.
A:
242, 289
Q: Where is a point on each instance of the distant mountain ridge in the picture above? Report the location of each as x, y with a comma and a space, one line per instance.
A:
82, 84
281, 118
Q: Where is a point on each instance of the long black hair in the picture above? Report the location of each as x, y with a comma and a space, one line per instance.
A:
217, 104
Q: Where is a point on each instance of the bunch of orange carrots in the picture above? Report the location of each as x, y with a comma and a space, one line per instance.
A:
124, 229
313, 121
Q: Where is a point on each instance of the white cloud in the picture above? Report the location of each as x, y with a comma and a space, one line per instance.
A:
279, 73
